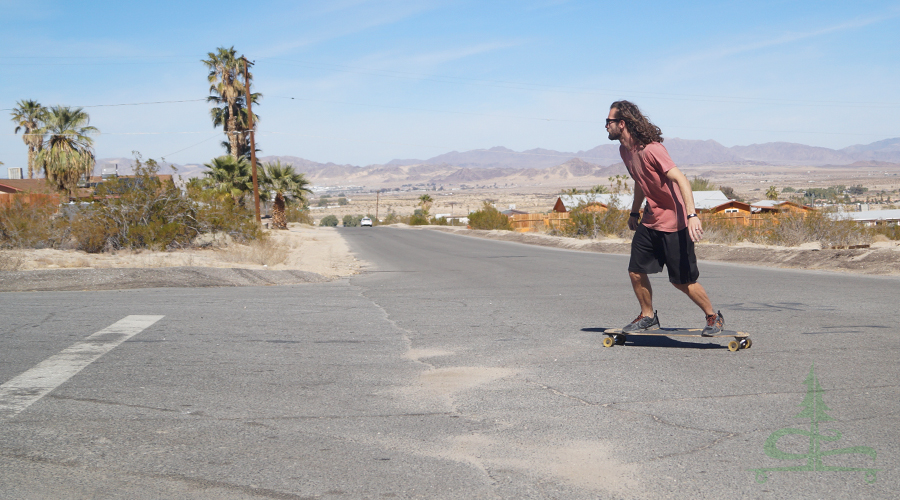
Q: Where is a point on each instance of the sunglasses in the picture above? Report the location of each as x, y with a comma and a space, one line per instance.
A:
611, 120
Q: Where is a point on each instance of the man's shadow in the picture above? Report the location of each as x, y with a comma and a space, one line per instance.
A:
661, 340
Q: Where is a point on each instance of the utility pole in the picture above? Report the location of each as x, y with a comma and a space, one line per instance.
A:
377, 193
252, 138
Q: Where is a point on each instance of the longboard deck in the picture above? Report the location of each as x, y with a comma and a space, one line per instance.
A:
614, 336
677, 332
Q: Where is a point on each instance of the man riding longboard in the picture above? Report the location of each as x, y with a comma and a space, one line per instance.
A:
666, 233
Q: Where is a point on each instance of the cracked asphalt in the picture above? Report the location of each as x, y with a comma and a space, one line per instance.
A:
458, 367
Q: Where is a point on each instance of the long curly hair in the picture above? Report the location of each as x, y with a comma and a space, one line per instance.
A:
637, 124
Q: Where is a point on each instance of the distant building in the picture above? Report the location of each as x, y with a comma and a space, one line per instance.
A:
703, 200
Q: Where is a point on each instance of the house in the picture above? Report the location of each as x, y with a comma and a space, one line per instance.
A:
703, 200
776, 206
732, 208
870, 217
16, 186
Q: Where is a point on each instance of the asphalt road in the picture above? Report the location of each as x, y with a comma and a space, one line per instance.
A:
454, 367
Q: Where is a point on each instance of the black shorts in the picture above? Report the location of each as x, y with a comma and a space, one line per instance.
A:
652, 249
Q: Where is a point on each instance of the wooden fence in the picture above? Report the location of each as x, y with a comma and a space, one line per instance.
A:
526, 223
7, 199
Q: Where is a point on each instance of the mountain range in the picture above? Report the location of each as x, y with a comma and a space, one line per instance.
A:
500, 164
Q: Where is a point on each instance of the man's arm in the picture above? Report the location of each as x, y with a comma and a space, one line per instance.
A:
636, 207
695, 228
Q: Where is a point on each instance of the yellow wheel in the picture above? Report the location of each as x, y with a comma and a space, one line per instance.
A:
749, 343
733, 346
608, 342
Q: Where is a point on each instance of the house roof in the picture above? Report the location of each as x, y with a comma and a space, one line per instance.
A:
26, 186
703, 200
868, 215
732, 204
763, 204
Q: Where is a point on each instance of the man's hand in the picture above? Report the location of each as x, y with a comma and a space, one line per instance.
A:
633, 223
695, 228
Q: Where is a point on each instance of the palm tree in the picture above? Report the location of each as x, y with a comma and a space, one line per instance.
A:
287, 184
227, 90
425, 201
229, 177
68, 152
772, 193
29, 116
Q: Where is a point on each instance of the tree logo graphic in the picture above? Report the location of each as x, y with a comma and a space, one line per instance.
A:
814, 410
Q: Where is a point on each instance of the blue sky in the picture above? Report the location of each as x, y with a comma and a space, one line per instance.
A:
363, 82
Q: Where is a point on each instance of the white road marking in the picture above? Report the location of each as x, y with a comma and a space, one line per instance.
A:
20, 392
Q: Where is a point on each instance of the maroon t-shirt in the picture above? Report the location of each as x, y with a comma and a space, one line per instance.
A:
648, 166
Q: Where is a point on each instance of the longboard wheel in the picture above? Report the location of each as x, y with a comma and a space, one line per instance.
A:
733, 346
620, 340
608, 342
749, 343
744, 344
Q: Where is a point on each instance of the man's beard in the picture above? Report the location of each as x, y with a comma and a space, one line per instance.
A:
614, 136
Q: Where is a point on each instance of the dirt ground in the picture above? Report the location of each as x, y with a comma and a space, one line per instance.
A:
306, 254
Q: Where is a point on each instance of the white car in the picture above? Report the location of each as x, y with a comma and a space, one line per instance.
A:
365, 221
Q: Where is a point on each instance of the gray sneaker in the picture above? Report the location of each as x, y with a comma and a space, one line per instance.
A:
715, 323
642, 324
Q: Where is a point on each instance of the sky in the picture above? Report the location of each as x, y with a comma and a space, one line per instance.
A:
364, 82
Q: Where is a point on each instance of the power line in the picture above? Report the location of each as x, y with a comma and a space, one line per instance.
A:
125, 104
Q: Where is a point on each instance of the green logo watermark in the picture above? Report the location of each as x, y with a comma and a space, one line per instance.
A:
814, 410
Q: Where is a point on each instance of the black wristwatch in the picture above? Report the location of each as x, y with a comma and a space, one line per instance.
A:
691, 216
636, 214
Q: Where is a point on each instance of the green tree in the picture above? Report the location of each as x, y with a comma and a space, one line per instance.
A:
227, 91
598, 189
329, 221
701, 184
425, 202
772, 193
288, 186
228, 176
29, 116
489, 218
619, 184
68, 153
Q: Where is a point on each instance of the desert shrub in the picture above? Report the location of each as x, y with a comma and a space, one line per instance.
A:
791, 229
297, 213
263, 252
891, 231
31, 225
418, 218
351, 220
390, 218
439, 221
725, 231
489, 218
143, 212
586, 220
329, 221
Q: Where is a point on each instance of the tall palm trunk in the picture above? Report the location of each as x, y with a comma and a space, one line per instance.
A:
279, 221
30, 162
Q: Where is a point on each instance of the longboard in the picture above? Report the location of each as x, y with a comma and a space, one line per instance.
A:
614, 336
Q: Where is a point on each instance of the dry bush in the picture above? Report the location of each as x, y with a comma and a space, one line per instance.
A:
790, 230
11, 261
297, 213
587, 222
489, 218
263, 252
30, 225
891, 232
143, 212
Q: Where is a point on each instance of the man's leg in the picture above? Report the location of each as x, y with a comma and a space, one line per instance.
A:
697, 293
643, 292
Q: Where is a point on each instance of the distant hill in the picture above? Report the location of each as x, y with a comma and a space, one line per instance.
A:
506, 166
